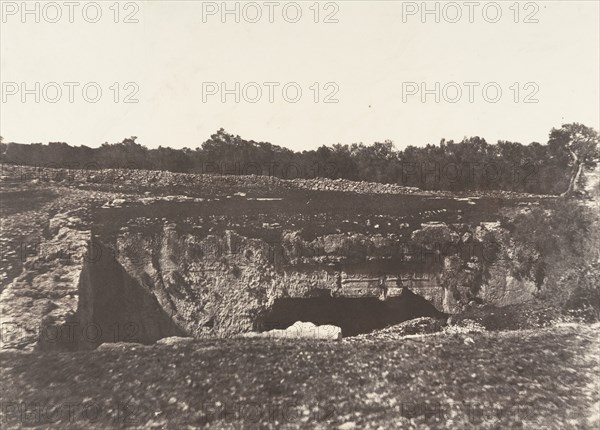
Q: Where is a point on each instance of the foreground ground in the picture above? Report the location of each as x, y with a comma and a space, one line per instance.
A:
537, 379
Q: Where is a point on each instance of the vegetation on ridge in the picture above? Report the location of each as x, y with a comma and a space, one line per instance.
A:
553, 168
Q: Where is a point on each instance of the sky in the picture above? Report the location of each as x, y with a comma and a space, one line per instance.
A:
370, 61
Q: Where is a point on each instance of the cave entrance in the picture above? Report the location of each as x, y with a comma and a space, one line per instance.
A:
354, 315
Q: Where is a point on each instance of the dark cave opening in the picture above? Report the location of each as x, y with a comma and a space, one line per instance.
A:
354, 315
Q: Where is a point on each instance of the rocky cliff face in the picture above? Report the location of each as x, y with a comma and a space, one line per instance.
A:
165, 277
144, 268
44, 297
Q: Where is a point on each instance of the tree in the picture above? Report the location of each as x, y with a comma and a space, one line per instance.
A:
581, 145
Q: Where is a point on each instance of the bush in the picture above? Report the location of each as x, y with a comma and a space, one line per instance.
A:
583, 287
566, 239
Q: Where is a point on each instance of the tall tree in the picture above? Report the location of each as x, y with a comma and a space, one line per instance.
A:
581, 145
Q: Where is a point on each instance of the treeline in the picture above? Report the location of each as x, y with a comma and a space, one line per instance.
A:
467, 165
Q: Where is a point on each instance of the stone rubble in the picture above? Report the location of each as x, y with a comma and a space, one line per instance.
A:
424, 325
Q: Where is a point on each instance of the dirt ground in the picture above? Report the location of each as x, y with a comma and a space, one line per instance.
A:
532, 379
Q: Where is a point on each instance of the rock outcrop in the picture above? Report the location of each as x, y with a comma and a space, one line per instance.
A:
138, 268
35, 307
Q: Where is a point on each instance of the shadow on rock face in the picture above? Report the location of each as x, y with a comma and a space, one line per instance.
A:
355, 315
114, 307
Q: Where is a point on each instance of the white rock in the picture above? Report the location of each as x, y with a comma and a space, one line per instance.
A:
108, 346
174, 340
307, 330
118, 202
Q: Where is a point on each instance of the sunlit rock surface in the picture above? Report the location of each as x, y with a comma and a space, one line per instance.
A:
128, 260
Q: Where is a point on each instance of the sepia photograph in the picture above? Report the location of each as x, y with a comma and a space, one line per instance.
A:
302, 214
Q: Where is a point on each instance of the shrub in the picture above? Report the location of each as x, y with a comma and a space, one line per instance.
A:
566, 238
